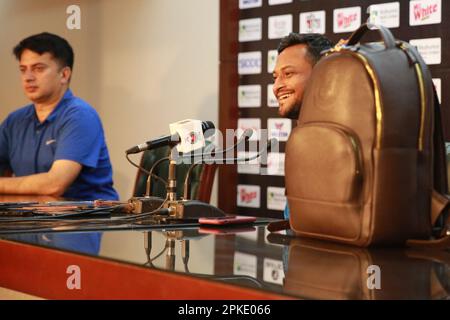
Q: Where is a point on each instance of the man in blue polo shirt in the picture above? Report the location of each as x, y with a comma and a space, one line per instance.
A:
56, 145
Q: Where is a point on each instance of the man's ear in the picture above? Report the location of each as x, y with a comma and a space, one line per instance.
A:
66, 73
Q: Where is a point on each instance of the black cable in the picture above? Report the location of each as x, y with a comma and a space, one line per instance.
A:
160, 253
150, 175
85, 222
61, 216
144, 170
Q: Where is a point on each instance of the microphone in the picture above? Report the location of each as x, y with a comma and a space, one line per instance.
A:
210, 151
244, 137
270, 144
168, 140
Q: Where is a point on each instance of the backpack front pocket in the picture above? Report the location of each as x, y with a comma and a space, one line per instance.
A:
324, 181
328, 164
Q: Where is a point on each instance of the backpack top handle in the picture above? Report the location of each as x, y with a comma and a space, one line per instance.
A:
386, 35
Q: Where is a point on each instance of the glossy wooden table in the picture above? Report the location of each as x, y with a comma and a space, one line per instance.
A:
39, 267
143, 262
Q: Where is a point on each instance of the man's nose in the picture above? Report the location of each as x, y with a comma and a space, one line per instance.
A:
28, 75
277, 85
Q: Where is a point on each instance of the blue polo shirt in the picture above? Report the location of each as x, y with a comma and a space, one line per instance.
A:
286, 212
73, 131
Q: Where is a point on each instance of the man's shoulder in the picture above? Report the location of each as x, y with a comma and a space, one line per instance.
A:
78, 107
81, 104
21, 113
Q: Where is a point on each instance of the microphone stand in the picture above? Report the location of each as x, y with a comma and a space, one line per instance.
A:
170, 256
193, 209
186, 209
150, 203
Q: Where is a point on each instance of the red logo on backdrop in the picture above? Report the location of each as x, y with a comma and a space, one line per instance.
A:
345, 21
279, 126
247, 197
423, 13
312, 23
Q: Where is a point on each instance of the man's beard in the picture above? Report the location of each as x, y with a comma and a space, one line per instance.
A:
293, 113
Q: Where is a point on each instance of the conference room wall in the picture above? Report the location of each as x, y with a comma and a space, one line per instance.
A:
141, 63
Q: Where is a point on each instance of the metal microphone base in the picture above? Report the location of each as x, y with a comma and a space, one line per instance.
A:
145, 204
192, 209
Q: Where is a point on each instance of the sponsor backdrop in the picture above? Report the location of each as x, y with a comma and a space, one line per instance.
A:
250, 33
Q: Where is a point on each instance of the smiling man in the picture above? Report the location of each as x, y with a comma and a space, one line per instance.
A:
54, 146
297, 55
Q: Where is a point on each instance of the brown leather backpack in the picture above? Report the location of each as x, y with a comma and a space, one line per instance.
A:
366, 163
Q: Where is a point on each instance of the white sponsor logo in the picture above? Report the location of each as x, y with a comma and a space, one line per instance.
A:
425, 12
279, 128
385, 14
249, 96
276, 198
271, 60
273, 271
437, 84
275, 2
248, 196
248, 167
271, 99
346, 19
249, 123
312, 22
429, 49
249, 62
280, 26
250, 30
246, 4
244, 264
275, 164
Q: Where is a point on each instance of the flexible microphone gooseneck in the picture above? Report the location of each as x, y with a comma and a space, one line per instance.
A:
244, 137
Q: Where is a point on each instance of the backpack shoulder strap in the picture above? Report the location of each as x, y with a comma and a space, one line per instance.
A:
279, 226
440, 200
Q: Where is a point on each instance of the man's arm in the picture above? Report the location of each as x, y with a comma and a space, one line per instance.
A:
54, 182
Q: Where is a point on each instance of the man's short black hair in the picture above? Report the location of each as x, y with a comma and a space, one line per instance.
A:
316, 43
47, 42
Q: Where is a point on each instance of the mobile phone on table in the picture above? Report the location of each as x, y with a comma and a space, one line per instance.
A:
227, 220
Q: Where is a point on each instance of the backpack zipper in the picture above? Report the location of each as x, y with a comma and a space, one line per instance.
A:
411, 55
422, 105
378, 104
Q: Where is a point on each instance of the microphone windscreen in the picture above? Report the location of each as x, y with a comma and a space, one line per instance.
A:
208, 129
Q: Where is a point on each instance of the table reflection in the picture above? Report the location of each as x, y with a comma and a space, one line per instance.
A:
277, 263
87, 243
322, 270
